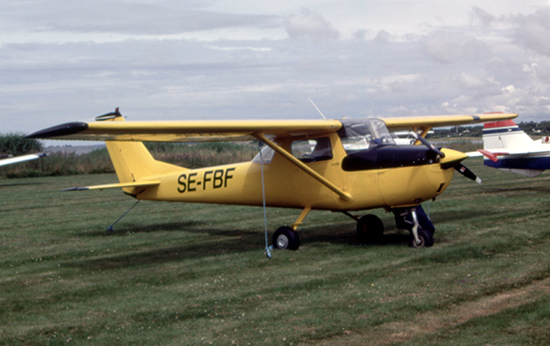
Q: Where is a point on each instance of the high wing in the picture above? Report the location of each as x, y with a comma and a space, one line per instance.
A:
425, 123
17, 159
226, 130
187, 131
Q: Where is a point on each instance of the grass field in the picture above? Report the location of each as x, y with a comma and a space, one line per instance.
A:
187, 274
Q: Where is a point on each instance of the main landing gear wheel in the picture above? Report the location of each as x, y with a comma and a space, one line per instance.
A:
425, 239
286, 238
370, 227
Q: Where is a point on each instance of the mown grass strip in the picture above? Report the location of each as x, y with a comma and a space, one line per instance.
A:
186, 274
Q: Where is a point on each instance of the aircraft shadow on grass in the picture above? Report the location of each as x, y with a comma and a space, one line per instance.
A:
236, 241
459, 216
20, 184
537, 189
125, 230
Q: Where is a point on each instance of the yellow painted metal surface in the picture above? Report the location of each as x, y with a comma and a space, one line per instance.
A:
226, 130
428, 122
287, 185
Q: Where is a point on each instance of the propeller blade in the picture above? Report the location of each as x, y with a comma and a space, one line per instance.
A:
465, 171
427, 144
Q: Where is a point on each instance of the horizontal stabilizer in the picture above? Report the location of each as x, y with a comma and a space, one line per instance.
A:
491, 156
114, 186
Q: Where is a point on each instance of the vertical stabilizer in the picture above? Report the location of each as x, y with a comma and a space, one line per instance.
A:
132, 161
504, 134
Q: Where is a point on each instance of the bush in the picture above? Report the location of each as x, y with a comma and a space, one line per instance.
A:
16, 144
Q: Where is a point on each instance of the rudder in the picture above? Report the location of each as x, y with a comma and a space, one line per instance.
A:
131, 160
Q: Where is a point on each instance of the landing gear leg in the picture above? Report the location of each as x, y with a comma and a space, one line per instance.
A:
414, 230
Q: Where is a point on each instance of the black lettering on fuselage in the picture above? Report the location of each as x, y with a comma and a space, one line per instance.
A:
192, 182
227, 176
214, 179
182, 181
206, 179
218, 179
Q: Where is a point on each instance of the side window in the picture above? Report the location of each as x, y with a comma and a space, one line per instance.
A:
267, 156
311, 150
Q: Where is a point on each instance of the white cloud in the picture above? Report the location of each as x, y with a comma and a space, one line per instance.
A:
477, 83
481, 17
309, 24
452, 46
533, 30
247, 60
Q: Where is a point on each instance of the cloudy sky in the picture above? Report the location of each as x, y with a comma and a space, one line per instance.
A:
67, 60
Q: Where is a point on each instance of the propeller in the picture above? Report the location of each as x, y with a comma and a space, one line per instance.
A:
427, 144
465, 171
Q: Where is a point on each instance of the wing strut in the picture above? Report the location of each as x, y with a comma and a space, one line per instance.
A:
343, 195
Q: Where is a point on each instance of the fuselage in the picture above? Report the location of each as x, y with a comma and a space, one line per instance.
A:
386, 176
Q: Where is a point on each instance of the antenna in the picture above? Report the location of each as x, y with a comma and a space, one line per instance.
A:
317, 108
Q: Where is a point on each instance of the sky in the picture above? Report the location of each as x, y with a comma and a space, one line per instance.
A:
63, 61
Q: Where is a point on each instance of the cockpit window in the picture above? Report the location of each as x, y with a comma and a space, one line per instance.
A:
311, 150
306, 150
364, 134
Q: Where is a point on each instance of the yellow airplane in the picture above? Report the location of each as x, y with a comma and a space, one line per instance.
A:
337, 165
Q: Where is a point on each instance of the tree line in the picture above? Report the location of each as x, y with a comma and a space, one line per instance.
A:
530, 127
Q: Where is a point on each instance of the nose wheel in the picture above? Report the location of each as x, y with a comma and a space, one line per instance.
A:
417, 222
425, 239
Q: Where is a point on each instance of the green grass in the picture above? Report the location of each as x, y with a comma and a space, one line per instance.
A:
189, 274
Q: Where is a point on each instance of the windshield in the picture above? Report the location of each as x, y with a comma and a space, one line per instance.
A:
364, 134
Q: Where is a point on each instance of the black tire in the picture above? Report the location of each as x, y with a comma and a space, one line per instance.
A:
286, 238
370, 227
426, 239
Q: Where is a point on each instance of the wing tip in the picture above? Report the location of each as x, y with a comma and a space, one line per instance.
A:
59, 130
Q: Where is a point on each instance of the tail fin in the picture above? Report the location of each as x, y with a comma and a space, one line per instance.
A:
504, 134
132, 161
513, 146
